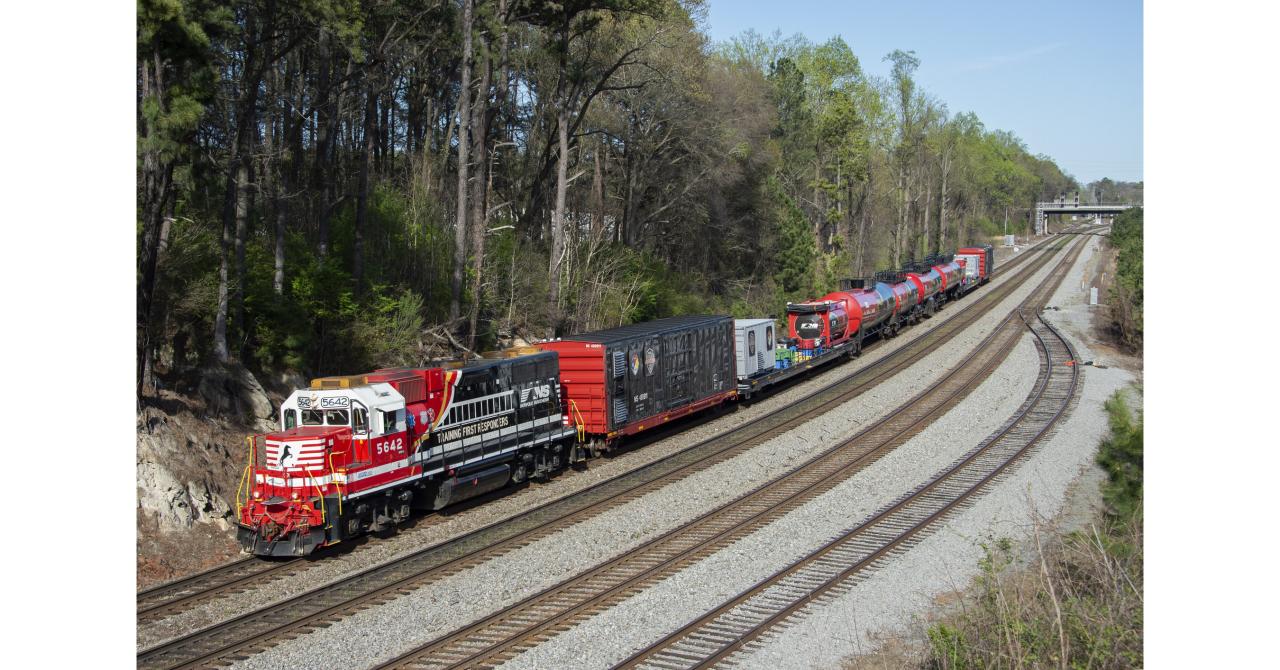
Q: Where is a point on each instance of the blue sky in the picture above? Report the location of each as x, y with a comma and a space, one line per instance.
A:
1065, 77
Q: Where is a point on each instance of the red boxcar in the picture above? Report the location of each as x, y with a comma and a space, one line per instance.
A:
979, 262
621, 381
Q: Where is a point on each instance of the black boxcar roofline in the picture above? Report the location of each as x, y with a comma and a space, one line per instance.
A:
647, 328
480, 364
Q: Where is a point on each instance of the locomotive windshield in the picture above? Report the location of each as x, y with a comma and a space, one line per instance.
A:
327, 417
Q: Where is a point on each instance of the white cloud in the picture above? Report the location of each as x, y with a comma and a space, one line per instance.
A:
1006, 59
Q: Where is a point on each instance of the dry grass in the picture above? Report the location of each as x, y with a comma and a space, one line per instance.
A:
1079, 606
1073, 601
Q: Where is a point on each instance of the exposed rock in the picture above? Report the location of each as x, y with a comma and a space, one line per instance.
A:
189, 462
234, 391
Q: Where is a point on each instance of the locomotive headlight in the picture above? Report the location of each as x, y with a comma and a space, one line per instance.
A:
295, 495
257, 494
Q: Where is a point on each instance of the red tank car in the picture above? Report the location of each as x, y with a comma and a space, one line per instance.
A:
928, 281
951, 272
817, 323
866, 308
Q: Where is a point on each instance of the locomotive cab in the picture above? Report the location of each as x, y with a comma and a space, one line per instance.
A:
297, 474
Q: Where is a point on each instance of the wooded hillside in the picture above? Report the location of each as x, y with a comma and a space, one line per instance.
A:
321, 181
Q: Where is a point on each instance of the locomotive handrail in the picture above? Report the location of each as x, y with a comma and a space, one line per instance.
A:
245, 476
324, 517
333, 476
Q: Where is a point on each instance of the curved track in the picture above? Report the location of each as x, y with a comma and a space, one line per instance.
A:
834, 568
526, 624
255, 631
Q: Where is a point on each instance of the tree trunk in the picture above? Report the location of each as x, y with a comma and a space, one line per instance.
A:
326, 129
557, 218
362, 198
818, 215
928, 206
244, 180
942, 212
464, 111
479, 219
157, 182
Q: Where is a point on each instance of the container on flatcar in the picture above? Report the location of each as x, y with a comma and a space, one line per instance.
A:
624, 380
816, 324
753, 343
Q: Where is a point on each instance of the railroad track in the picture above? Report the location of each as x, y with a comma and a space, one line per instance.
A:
778, 601
504, 635
230, 578
258, 630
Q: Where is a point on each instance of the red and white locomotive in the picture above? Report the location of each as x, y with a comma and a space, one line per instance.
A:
358, 454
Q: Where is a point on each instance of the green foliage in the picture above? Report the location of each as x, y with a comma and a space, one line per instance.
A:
795, 252
1125, 297
388, 336
1121, 456
736, 177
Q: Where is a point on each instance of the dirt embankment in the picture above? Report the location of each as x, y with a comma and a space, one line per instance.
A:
190, 456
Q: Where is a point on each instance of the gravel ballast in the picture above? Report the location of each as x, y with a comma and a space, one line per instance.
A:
893, 600
612, 636
380, 633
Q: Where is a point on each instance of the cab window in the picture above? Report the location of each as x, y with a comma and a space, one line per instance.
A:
312, 417
336, 417
290, 419
389, 422
361, 418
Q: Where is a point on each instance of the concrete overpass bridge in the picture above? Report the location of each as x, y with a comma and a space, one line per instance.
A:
1044, 209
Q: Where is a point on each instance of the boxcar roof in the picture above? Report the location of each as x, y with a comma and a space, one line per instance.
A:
649, 328
482, 363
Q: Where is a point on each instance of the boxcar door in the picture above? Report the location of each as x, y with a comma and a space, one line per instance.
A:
654, 364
